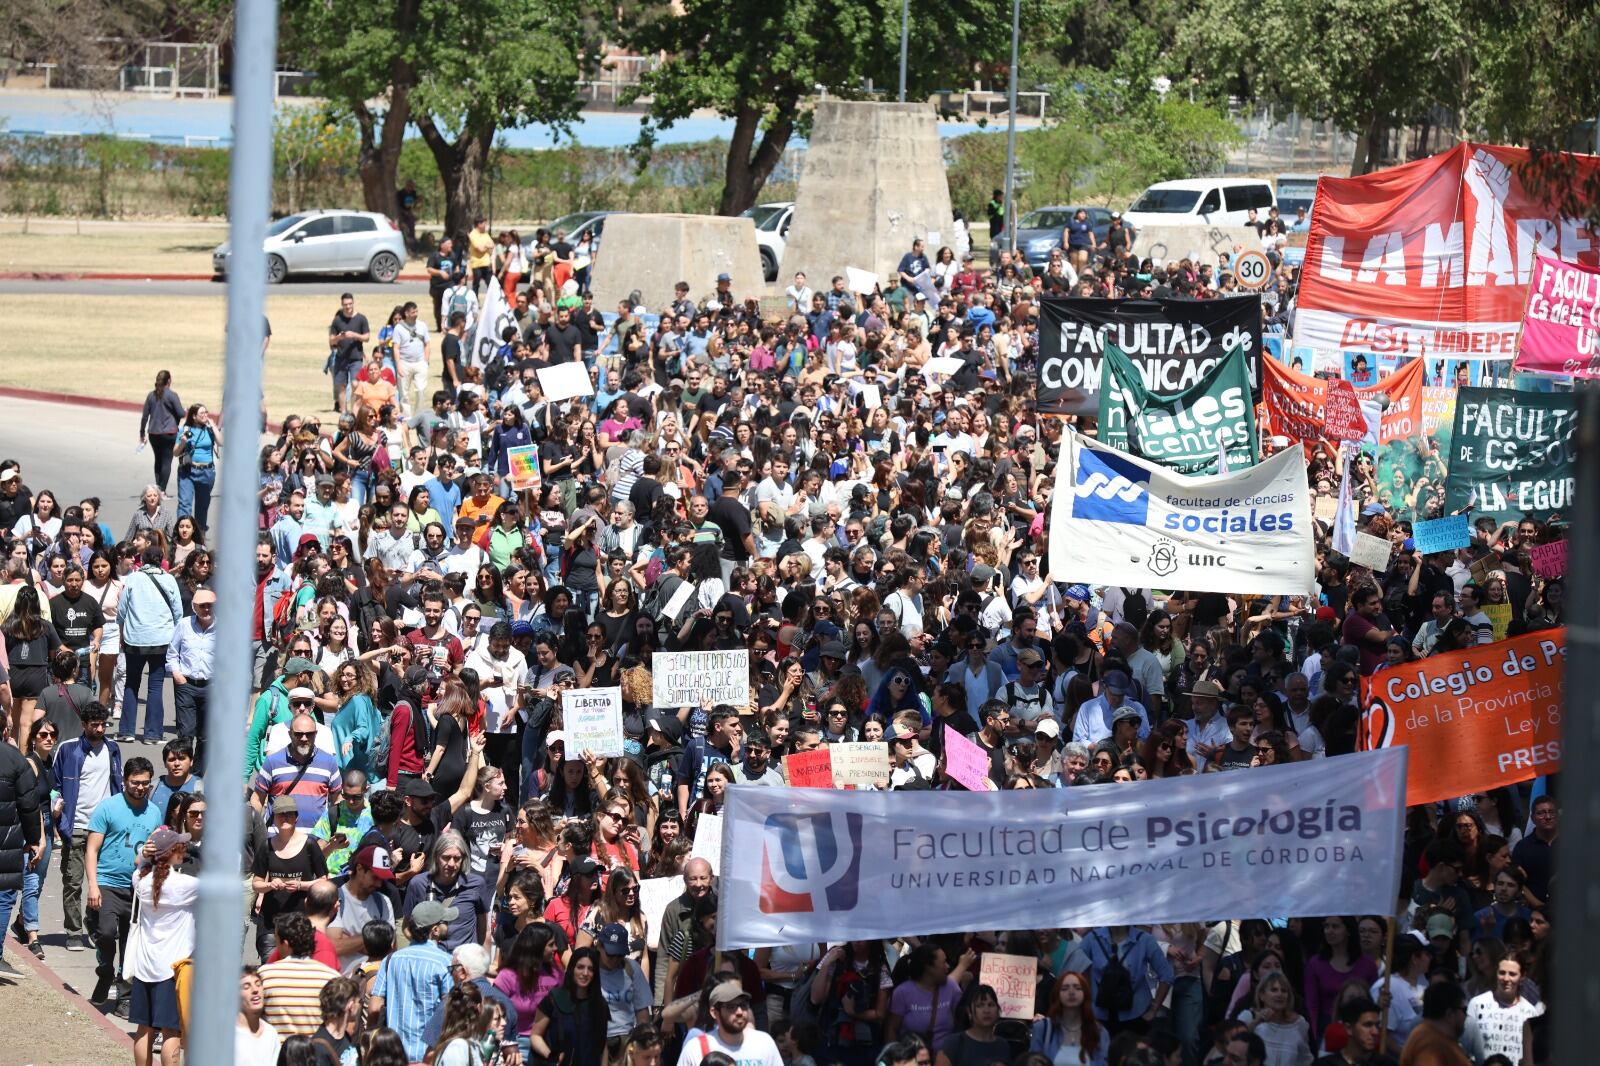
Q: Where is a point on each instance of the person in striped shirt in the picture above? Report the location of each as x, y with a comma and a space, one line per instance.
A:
301, 770
291, 986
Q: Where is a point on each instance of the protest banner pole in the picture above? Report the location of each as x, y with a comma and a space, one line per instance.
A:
218, 939
1388, 972
1009, 215
1577, 983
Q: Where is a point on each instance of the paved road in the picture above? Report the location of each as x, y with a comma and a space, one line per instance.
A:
77, 452
318, 287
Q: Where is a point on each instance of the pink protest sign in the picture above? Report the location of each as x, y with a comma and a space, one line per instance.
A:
1550, 560
809, 769
965, 761
1561, 321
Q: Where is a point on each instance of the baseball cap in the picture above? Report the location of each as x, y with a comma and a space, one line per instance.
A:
724, 276
554, 737
1079, 592
375, 859
1030, 657
164, 840
1371, 509
1115, 681
898, 732
1048, 727
833, 650
299, 665
728, 992
10, 475
323, 479
614, 939
284, 805
430, 912
982, 575
307, 540
1116, 214
1123, 714
417, 788
1441, 925
583, 866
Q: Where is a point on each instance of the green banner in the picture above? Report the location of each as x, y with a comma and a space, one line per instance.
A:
1512, 453
1186, 431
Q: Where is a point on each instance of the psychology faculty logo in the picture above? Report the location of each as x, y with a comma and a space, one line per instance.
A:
810, 863
1108, 488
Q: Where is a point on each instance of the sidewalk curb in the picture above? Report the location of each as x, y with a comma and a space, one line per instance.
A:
100, 402
16, 952
99, 275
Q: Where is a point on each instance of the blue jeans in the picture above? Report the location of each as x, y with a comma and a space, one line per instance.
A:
190, 705
361, 486
8, 903
1187, 1011
194, 493
33, 884
155, 710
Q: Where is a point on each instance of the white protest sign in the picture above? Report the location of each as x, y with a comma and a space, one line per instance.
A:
708, 841
858, 280
871, 398
1013, 978
678, 600
593, 719
565, 380
861, 765
690, 678
654, 895
1370, 552
943, 365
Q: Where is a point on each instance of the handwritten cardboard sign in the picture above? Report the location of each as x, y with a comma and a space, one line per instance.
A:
593, 719
1370, 552
1550, 560
861, 765
809, 769
965, 761
690, 678
1013, 978
1442, 534
654, 895
708, 841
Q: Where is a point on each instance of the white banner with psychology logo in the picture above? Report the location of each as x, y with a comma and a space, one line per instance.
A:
1319, 837
1117, 519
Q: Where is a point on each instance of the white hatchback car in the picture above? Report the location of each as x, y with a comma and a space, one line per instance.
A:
772, 233
328, 242
1200, 202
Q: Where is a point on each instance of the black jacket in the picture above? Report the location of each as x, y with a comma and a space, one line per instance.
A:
20, 828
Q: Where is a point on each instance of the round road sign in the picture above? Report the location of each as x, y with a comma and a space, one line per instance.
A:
1252, 270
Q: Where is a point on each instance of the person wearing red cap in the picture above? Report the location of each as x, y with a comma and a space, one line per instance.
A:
362, 899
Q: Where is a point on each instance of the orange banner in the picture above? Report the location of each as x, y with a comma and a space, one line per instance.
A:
1474, 720
1296, 402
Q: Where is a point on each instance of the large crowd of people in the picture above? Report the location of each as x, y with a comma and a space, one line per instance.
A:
433, 872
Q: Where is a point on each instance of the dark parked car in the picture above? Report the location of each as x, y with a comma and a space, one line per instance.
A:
1040, 230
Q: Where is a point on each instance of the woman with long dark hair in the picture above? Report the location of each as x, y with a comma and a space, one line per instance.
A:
570, 1025
197, 450
158, 426
530, 969
1339, 960
855, 978
30, 642
467, 1022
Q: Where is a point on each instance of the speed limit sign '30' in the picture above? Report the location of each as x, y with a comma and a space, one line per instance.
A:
1252, 270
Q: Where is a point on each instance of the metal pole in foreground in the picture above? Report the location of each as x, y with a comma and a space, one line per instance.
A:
905, 37
1577, 988
1010, 213
219, 936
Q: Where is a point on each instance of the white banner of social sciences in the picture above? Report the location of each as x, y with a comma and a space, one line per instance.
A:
1319, 837
1117, 519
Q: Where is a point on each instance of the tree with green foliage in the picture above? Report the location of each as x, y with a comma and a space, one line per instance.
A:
460, 73
758, 63
1369, 65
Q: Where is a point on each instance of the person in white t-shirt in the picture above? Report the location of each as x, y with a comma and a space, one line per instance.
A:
734, 1033
411, 349
1498, 1014
255, 1041
1406, 985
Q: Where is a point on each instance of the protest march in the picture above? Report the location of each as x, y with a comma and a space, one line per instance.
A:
647, 684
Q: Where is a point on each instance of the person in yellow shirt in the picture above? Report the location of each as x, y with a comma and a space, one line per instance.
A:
480, 254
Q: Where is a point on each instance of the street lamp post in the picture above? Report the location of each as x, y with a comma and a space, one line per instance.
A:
1011, 130
905, 37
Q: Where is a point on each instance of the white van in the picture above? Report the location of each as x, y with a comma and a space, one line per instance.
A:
1200, 202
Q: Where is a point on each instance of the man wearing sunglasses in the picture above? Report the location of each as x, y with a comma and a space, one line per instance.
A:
302, 770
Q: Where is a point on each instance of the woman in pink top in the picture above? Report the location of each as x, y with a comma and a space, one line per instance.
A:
529, 971
1338, 961
615, 430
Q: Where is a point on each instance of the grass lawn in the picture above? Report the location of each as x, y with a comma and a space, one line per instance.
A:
69, 246
139, 335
